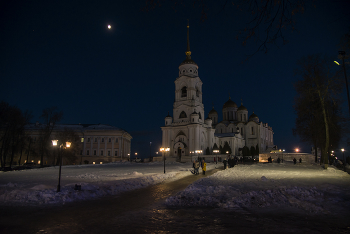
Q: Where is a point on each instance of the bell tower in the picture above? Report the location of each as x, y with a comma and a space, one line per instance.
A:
188, 89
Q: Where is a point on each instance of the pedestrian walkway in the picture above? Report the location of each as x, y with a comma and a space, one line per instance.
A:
91, 216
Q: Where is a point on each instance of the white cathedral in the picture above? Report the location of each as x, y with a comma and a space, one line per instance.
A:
188, 132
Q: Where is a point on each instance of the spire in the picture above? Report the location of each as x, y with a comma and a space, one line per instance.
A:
188, 51
241, 102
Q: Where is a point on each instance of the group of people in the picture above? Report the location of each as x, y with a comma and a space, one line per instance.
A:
196, 166
231, 162
295, 161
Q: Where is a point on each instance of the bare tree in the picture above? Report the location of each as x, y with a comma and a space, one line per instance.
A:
317, 103
12, 123
51, 117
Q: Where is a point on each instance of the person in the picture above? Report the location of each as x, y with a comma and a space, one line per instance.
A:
196, 167
235, 160
225, 163
295, 161
204, 166
278, 160
300, 160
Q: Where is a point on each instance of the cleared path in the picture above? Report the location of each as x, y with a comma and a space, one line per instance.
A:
95, 216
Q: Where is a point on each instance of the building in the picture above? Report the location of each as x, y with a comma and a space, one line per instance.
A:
93, 143
188, 134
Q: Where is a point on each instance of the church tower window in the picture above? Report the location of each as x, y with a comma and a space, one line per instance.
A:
200, 116
183, 115
184, 92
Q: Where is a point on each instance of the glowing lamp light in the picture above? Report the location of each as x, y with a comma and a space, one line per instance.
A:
109, 26
336, 63
227, 152
54, 142
296, 150
342, 150
135, 153
68, 144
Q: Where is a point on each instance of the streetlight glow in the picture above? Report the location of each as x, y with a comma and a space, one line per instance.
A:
109, 26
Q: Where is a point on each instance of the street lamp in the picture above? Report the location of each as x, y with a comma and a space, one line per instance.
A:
342, 150
342, 56
150, 154
216, 154
165, 150
68, 145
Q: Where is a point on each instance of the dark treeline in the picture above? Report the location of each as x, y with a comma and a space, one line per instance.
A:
21, 141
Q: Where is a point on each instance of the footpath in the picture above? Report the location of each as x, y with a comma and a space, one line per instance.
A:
92, 216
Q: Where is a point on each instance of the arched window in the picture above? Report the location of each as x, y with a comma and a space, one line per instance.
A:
184, 92
197, 92
183, 115
200, 116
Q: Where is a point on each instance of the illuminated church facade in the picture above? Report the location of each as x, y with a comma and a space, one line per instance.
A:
187, 131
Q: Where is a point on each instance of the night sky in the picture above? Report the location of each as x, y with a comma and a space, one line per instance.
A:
62, 54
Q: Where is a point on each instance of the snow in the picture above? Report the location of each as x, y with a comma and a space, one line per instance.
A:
39, 186
306, 187
260, 186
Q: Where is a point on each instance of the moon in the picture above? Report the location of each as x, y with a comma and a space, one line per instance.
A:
109, 26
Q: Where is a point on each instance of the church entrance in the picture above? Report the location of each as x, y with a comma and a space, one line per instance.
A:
179, 154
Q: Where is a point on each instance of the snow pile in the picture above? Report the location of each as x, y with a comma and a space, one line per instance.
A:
39, 186
269, 185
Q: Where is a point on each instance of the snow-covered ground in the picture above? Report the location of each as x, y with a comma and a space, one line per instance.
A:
39, 186
308, 188
304, 187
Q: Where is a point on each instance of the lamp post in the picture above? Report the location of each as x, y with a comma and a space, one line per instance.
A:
68, 144
150, 154
164, 150
342, 56
342, 150
216, 154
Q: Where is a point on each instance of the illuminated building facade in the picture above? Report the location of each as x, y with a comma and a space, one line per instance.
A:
187, 132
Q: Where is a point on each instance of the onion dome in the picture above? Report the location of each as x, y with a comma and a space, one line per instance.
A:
242, 108
254, 117
213, 111
229, 103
